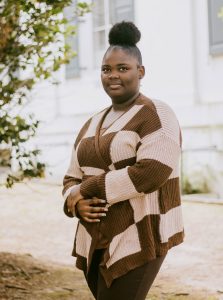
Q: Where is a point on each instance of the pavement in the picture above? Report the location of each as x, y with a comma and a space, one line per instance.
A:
32, 221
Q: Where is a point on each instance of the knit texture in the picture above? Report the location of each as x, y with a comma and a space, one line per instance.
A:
134, 166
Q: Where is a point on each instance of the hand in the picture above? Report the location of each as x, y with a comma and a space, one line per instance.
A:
73, 198
91, 210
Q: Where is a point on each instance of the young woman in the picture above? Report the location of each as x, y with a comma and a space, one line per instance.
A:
123, 180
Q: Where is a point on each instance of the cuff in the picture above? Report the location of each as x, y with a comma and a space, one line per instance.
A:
94, 187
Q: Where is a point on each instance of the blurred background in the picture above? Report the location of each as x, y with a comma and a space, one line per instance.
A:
182, 50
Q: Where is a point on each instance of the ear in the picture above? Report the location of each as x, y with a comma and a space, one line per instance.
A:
141, 70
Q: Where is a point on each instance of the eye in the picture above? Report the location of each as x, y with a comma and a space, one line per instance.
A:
123, 69
105, 70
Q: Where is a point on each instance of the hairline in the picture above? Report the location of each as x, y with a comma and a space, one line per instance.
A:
126, 48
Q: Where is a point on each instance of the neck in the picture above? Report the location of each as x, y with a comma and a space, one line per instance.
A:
125, 104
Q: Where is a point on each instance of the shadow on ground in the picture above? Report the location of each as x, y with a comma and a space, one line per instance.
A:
23, 277
32, 221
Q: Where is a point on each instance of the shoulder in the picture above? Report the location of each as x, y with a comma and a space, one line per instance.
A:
157, 107
160, 116
162, 107
166, 114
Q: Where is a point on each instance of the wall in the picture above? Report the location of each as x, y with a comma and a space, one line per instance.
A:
167, 49
179, 70
209, 68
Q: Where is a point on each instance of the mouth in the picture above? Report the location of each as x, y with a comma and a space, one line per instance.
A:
114, 86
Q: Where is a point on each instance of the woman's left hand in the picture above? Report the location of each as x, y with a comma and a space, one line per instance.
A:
91, 210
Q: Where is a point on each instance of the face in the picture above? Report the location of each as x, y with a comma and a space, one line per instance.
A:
120, 75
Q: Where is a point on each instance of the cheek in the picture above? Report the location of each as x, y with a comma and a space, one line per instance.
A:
132, 81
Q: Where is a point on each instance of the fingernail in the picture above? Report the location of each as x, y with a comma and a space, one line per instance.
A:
103, 215
105, 209
103, 201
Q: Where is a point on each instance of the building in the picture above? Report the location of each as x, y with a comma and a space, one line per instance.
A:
182, 49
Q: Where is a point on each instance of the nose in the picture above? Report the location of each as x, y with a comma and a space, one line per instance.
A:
113, 75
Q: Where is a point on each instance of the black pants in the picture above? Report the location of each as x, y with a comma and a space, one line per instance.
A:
134, 285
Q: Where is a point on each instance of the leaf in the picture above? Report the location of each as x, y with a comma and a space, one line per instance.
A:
31, 32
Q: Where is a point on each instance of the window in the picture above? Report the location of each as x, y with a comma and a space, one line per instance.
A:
105, 14
215, 14
72, 69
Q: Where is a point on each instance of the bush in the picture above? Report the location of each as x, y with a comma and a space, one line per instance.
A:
31, 48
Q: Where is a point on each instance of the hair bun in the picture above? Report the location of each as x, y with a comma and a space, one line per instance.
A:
124, 33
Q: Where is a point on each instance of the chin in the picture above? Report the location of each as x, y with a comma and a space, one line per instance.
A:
114, 94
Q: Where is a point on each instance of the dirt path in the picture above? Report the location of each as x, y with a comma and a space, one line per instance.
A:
25, 278
31, 221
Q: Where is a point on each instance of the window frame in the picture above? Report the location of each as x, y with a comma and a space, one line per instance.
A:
72, 69
106, 26
214, 48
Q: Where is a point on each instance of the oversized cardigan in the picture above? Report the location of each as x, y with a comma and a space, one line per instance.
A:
134, 166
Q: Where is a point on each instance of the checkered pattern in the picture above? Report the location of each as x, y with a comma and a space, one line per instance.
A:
134, 165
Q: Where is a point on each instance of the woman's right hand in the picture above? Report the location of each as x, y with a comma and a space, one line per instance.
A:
90, 210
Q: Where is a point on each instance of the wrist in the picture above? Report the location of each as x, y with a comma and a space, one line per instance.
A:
75, 193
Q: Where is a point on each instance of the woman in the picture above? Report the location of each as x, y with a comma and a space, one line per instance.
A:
123, 180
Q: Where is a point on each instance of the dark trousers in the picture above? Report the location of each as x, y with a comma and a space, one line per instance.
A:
134, 285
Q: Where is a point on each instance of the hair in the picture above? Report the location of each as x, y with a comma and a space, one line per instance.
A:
125, 35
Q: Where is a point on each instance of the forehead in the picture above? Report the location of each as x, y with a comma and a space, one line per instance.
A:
118, 56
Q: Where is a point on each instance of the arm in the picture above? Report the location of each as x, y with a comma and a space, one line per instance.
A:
75, 205
157, 156
71, 184
90, 210
74, 175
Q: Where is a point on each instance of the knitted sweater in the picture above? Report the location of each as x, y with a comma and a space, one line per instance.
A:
134, 165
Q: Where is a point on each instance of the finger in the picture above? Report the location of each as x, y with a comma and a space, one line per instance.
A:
94, 201
70, 208
95, 209
95, 215
71, 203
92, 209
81, 201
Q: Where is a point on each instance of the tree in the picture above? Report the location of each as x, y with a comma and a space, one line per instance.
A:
32, 47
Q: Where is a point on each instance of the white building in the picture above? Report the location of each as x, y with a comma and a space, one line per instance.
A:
182, 49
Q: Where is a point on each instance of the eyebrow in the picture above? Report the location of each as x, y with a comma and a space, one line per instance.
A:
119, 65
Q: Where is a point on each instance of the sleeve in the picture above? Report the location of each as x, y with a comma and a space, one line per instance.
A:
72, 179
157, 156
74, 174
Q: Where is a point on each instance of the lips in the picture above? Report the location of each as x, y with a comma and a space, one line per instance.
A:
115, 85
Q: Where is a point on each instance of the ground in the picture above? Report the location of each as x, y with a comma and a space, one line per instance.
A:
36, 241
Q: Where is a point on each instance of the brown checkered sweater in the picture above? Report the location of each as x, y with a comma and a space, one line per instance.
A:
134, 165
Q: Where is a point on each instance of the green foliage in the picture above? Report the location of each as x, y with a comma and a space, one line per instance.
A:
31, 48
83, 8
188, 187
197, 181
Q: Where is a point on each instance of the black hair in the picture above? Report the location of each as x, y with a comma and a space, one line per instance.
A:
125, 35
